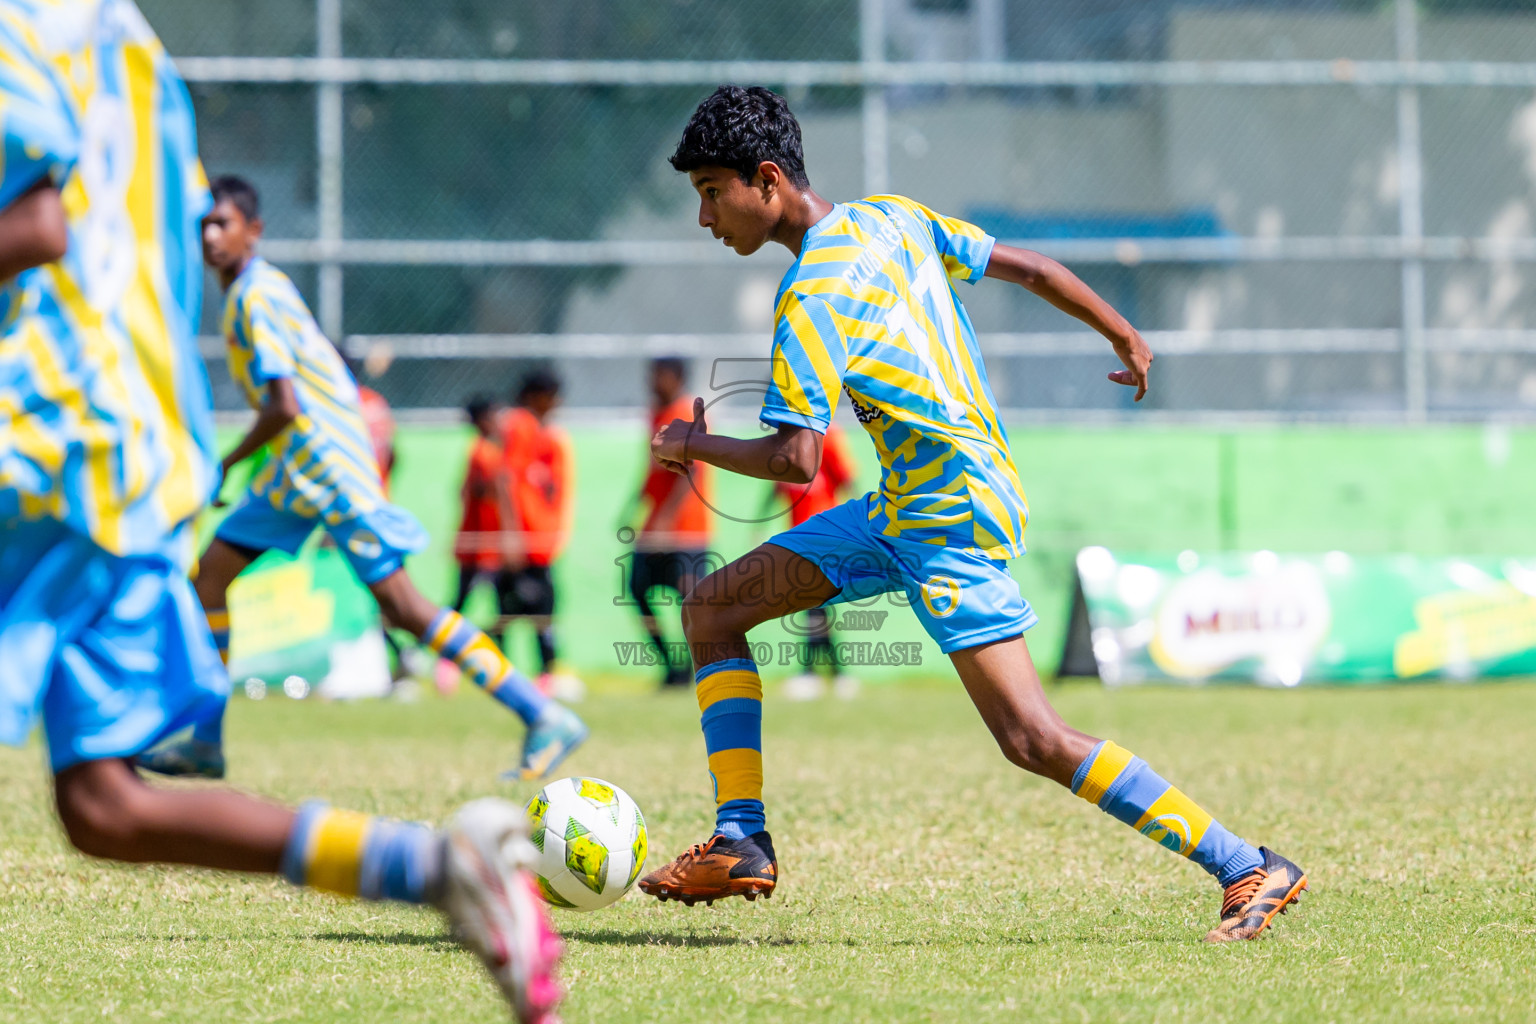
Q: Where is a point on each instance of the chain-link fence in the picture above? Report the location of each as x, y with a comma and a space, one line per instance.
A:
1311, 207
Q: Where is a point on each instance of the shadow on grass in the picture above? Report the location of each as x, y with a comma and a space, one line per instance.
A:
612, 937
397, 939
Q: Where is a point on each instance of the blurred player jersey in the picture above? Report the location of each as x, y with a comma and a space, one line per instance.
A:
538, 461
870, 307
380, 422
478, 543
678, 518
835, 473
324, 463
106, 420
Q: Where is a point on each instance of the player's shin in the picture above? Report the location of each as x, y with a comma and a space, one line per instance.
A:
478, 657
361, 855
731, 708
1123, 786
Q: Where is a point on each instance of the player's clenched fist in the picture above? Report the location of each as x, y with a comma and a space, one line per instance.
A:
669, 446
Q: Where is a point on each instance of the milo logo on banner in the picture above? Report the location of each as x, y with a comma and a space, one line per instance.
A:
1207, 622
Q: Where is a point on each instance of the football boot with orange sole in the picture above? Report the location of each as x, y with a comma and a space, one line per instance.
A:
715, 869
1252, 903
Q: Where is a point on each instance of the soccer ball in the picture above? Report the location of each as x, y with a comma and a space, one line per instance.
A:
591, 842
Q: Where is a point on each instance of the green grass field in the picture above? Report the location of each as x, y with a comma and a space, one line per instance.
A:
923, 879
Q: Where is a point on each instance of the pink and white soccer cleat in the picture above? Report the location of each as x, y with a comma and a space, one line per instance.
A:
490, 896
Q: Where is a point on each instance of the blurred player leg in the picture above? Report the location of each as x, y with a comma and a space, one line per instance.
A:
553, 731
108, 812
100, 706
815, 650
643, 575
1003, 684
531, 596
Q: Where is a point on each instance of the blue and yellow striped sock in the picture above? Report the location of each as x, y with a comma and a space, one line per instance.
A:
212, 730
1124, 787
453, 637
731, 706
360, 855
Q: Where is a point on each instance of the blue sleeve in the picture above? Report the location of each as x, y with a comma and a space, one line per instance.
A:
40, 129
810, 356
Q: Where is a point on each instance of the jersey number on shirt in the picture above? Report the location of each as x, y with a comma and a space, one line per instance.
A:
930, 288
108, 252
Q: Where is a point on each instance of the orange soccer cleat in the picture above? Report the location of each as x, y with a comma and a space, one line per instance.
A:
1252, 902
716, 869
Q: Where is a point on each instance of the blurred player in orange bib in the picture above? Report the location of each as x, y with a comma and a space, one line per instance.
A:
672, 547
478, 546
539, 476
827, 489
481, 547
379, 421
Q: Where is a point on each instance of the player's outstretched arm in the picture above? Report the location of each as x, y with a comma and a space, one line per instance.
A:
33, 230
1065, 290
790, 454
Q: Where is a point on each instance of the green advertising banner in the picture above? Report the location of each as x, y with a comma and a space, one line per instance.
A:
306, 623
1285, 620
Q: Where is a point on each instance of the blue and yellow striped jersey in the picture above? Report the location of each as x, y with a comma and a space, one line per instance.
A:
322, 465
106, 420
870, 307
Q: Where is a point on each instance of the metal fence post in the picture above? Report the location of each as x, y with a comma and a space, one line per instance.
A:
328, 145
875, 115
1410, 174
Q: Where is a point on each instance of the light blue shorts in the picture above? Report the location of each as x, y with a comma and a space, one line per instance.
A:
375, 543
113, 652
963, 599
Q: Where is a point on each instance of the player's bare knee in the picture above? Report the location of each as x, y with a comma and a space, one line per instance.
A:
699, 615
100, 805
1038, 750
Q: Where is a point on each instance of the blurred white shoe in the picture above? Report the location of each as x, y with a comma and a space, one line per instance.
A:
845, 687
419, 663
805, 686
562, 686
490, 896
406, 690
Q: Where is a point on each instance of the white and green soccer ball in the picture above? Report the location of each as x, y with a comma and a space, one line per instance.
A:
591, 841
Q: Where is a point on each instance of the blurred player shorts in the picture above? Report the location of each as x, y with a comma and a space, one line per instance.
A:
114, 651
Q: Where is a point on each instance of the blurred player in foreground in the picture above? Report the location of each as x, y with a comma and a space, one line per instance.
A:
540, 477
826, 489
107, 418
869, 307
323, 473
672, 547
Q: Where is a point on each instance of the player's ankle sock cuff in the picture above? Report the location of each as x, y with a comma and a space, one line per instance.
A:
356, 854
737, 819
401, 861
1228, 867
518, 692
